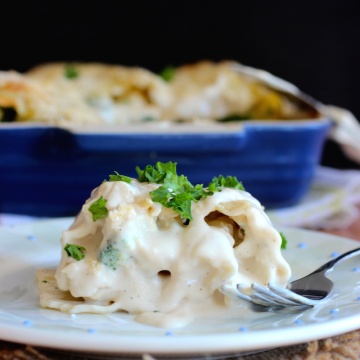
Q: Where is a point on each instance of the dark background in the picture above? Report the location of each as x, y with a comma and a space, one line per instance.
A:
313, 44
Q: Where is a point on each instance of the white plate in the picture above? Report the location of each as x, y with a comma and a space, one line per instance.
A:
24, 248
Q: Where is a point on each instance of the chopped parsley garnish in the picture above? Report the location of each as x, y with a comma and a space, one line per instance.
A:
75, 251
228, 181
283, 241
98, 208
176, 191
234, 117
158, 173
167, 73
118, 177
148, 118
71, 71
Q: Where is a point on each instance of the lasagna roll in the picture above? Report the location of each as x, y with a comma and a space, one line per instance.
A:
128, 251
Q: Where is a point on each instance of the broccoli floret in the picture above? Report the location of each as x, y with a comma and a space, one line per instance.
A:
110, 255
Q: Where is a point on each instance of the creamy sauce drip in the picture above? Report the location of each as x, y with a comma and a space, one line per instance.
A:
143, 260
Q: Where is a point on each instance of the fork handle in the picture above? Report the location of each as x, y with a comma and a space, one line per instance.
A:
329, 265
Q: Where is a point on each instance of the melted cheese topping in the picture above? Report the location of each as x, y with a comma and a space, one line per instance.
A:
142, 259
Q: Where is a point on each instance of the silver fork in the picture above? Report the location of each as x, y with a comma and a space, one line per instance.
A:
302, 293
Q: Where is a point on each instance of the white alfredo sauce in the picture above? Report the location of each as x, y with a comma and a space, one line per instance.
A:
143, 260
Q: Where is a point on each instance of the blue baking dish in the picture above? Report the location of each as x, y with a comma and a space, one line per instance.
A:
50, 171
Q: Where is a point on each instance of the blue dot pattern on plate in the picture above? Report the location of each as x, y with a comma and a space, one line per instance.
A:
31, 237
335, 254
302, 245
356, 269
298, 322
91, 330
243, 329
27, 323
169, 333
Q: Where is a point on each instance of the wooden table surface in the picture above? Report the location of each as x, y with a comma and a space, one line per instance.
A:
346, 346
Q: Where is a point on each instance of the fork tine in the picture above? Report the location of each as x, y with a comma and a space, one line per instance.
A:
272, 298
290, 295
259, 297
230, 291
253, 297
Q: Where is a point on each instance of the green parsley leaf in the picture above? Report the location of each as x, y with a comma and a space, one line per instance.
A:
71, 71
283, 241
118, 177
158, 173
168, 73
181, 203
98, 208
147, 118
176, 191
235, 117
228, 181
75, 251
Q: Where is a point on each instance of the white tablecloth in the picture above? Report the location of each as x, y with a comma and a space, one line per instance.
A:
332, 202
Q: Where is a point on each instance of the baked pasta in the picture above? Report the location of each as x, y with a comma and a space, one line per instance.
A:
98, 93
160, 248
